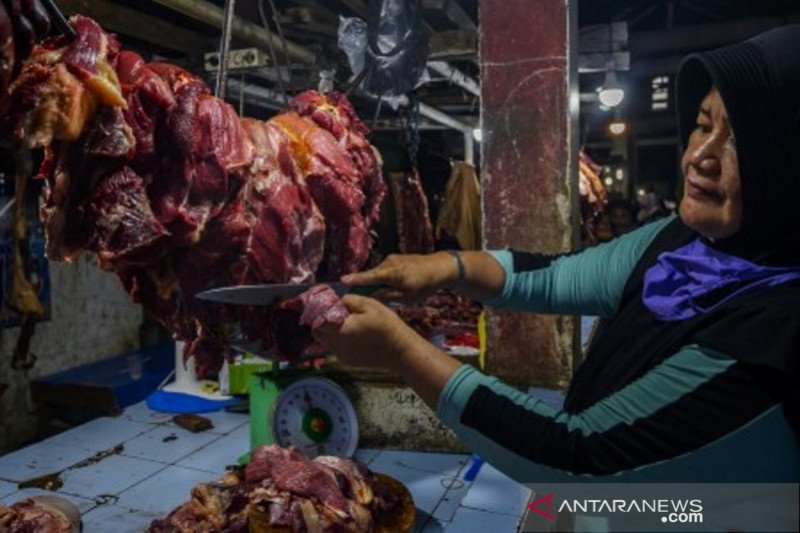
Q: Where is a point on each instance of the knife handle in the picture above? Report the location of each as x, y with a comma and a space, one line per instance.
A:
366, 290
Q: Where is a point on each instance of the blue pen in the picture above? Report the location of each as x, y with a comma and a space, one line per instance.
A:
474, 468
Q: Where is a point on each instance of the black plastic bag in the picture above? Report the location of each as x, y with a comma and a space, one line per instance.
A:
394, 45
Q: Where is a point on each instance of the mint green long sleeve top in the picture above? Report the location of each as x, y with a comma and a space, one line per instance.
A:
653, 429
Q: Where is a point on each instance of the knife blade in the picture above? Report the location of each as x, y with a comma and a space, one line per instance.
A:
267, 294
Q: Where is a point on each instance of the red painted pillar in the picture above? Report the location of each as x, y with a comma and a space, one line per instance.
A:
529, 112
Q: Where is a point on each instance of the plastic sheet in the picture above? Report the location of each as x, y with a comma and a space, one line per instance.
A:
392, 47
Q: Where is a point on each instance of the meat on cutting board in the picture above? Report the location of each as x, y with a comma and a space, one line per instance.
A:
282, 489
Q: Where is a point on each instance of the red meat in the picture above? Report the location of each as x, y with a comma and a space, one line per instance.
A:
177, 194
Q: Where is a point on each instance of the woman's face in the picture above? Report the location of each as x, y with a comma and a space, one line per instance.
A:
712, 199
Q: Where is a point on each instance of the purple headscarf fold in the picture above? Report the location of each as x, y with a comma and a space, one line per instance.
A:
680, 278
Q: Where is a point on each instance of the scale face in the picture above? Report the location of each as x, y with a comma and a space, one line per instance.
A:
316, 416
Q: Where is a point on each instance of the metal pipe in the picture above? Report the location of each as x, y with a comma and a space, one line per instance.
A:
266, 97
431, 113
224, 47
243, 29
443, 118
275, 100
469, 152
455, 76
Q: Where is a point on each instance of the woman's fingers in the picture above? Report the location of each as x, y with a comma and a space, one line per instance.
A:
355, 303
376, 276
389, 295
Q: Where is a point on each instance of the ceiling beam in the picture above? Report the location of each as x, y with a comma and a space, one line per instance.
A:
603, 38
244, 30
702, 36
132, 23
601, 62
453, 45
655, 66
308, 20
453, 11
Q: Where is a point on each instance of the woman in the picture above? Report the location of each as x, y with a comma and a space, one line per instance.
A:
693, 376
651, 206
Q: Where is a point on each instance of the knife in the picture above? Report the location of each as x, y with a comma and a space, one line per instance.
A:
267, 294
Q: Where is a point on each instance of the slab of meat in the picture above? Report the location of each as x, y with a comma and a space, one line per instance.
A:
297, 318
282, 488
175, 193
61, 85
6, 49
443, 312
40, 514
218, 506
414, 227
321, 307
22, 23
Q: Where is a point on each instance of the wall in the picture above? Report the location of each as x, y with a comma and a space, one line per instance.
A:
92, 319
390, 414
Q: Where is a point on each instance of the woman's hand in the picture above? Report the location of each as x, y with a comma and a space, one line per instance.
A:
372, 336
408, 277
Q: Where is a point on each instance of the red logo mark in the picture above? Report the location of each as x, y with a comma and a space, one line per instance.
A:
549, 500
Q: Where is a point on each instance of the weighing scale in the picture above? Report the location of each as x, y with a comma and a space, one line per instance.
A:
296, 407
290, 405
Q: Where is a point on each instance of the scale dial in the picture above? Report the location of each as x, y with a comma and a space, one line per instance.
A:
315, 416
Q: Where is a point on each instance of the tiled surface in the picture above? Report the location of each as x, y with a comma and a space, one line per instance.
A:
427, 475
7, 488
38, 460
99, 434
164, 491
469, 520
226, 422
167, 444
125, 492
109, 476
117, 519
451, 501
497, 493
241, 433
141, 413
215, 456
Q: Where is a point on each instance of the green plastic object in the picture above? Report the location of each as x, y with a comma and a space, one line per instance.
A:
264, 390
240, 373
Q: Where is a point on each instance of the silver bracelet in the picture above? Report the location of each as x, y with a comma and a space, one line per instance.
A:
462, 271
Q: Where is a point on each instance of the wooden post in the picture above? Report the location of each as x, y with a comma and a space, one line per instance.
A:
530, 193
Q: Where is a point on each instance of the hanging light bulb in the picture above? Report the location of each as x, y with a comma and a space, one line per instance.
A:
611, 93
617, 127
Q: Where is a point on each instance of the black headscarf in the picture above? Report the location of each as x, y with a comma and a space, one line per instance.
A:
759, 82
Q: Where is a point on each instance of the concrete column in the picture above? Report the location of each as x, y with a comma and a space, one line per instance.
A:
529, 115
